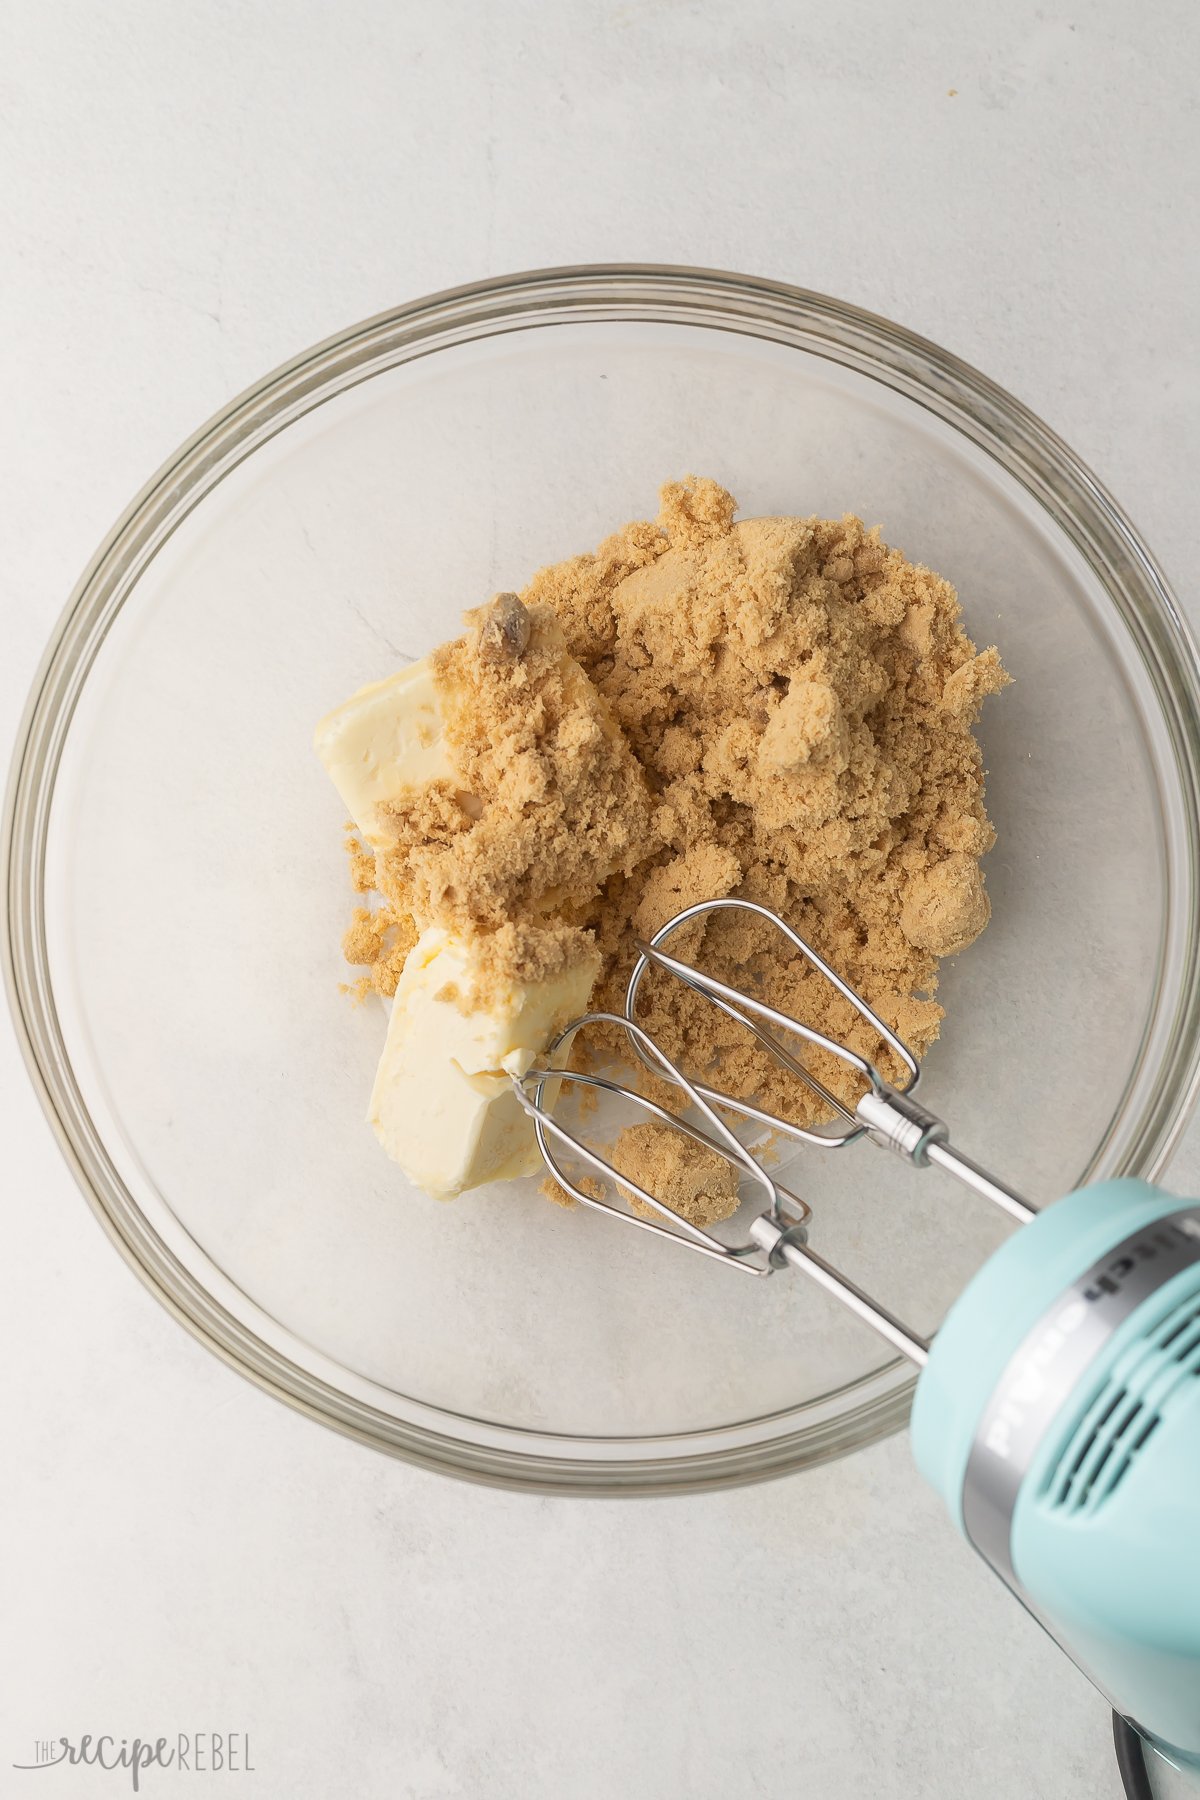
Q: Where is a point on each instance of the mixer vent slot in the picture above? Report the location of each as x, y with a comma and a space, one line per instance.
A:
1152, 1377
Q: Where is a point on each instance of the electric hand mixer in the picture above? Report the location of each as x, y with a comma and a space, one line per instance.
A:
1057, 1410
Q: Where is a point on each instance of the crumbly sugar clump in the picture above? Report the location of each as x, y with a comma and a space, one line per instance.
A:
697, 1183
550, 801
380, 940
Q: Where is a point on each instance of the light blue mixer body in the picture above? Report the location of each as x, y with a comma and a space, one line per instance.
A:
1059, 1417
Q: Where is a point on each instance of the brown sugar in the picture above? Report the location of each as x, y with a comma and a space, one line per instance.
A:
362, 862
526, 952
694, 1181
587, 1184
780, 709
382, 940
946, 906
801, 698
550, 799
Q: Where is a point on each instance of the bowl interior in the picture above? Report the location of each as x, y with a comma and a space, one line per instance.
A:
196, 890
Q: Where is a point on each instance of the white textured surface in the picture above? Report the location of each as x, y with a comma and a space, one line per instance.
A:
188, 194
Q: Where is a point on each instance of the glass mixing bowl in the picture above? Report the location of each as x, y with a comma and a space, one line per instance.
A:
177, 887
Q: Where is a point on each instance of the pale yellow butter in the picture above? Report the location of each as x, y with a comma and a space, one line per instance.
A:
385, 740
442, 1104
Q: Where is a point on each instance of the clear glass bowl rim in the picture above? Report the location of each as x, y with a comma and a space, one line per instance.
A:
1139, 1140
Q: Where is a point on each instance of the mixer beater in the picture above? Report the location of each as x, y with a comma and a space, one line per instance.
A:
886, 1114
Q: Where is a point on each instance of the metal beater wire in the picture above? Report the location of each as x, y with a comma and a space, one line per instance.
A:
736, 1004
681, 1230
889, 1115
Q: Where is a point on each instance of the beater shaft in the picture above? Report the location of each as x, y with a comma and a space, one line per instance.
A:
902, 1124
972, 1176
789, 1246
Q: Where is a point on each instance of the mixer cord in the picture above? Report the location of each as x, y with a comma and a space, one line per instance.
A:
1131, 1760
